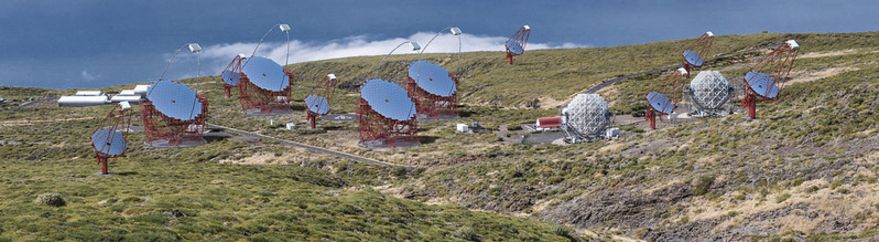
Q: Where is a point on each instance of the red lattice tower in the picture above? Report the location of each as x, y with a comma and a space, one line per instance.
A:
174, 114
386, 114
434, 89
253, 98
694, 54
672, 83
765, 80
379, 131
232, 74
162, 130
434, 106
516, 44
266, 100
105, 139
323, 95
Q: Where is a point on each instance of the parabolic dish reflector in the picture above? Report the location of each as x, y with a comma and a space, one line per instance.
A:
174, 100
109, 142
514, 47
432, 78
660, 103
762, 84
588, 114
266, 74
710, 89
693, 58
317, 104
231, 77
388, 99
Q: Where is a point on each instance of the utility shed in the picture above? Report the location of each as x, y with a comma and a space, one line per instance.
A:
549, 123
462, 128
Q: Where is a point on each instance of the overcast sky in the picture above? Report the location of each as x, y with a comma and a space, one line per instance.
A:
90, 43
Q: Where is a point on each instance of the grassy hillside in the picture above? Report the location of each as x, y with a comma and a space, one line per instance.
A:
199, 194
805, 169
162, 199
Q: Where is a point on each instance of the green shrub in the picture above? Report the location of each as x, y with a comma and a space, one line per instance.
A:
467, 233
782, 197
565, 231
702, 185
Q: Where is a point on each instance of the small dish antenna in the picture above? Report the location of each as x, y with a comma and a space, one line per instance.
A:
111, 138
697, 50
232, 74
318, 103
765, 80
659, 104
515, 45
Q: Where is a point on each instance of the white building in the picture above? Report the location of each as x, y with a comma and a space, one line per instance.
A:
82, 101
462, 128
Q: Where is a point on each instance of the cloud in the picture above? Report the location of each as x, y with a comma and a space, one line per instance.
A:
86, 76
218, 55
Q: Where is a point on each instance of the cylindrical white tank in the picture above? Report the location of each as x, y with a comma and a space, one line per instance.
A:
141, 89
89, 93
127, 93
125, 98
82, 101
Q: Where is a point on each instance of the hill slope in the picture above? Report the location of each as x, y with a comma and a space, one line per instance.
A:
200, 193
805, 168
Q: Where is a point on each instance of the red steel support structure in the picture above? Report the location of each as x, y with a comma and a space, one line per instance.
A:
692, 57
429, 105
520, 38
312, 119
162, 130
256, 100
233, 67
434, 106
778, 65
379, 131
650, 116
324, 89
670, 84
701, 46
118, 119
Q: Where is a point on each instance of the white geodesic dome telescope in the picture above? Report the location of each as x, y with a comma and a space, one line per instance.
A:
709, 92
586, 116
